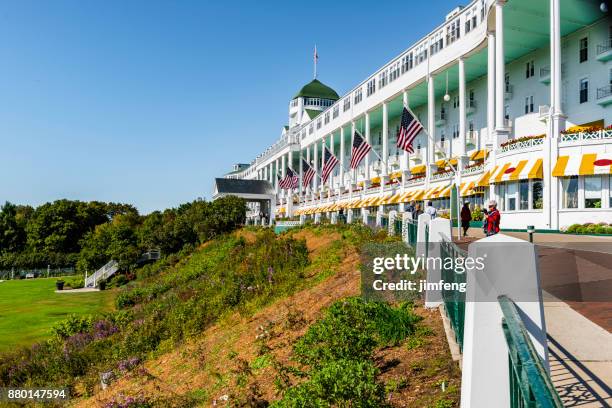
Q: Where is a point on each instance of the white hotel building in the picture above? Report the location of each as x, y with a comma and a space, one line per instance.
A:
517, 95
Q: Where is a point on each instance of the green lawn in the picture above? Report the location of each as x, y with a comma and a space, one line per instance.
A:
29, 308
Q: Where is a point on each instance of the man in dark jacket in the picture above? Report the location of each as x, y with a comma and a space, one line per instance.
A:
466, 217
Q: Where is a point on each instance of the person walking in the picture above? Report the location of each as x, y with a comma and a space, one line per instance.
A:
431, 210
466, 217
417, 211
492, 219
410, 207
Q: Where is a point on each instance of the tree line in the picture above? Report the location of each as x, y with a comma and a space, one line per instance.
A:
88, 234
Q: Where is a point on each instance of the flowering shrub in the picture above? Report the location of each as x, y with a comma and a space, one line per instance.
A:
589, 228
583, 129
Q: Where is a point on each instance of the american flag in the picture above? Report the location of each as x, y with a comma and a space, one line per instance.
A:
409, 129
330, 162
360, 149
309, 173
291, 180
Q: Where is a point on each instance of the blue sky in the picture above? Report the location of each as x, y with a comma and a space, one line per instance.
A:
145, 102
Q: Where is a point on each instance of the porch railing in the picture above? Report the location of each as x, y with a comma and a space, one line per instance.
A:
601, 134
604, 91
520, 145
530, 383
605, 47
454, 300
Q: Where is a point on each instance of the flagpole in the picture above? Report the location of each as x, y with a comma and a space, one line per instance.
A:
446, 158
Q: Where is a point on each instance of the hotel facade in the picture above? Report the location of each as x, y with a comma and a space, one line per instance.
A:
516, 100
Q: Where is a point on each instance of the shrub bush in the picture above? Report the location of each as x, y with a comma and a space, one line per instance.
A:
76, 282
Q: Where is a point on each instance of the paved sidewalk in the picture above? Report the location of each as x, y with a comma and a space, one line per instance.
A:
580, 356
576, 273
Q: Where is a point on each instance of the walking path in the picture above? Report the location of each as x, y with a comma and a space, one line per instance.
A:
576, 273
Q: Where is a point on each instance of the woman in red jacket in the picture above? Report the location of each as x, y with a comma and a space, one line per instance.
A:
492, 219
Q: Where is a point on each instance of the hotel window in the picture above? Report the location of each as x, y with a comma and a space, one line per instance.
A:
347, 104
584, 49
537, 195
512, 189
453, 32
407, 63
592, 192
358, 96
468, 24
371, 87
319, 123
455, 131
394, 72
455, 102
326, 118
529, 104
310, 129
474, 19
569, 186
501, 196
524, 194
382, 79
336, 111
529, 69
584, 90
482, 9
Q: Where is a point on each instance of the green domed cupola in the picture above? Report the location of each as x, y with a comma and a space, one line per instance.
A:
317, 89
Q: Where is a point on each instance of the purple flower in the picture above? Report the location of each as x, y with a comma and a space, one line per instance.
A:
103, 329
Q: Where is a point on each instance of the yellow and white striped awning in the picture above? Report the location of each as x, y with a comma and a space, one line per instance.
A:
445, 192
479, 155
431, 192
583, 165
485, 179
467, 189
521, 170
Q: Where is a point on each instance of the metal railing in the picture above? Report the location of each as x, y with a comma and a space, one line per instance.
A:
411, 231
530, 383
604, 91
20, 273
605, 47
454, 300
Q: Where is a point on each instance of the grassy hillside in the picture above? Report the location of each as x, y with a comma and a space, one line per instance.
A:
249, 319
273, 349
29, 308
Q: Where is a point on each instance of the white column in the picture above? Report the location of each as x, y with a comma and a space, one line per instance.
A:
309, 188
491, 133
316, 166
405, 161
368, 139
323, 144
462, 127
431, 124
491, 92
354, 171
341, 158
556, 120
331, 149
385, 140
300, 188
500, 65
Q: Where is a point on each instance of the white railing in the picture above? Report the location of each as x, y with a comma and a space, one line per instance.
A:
521, 145
419, 180
104, 272
442, 176
473, 170
287, 223
603, 134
